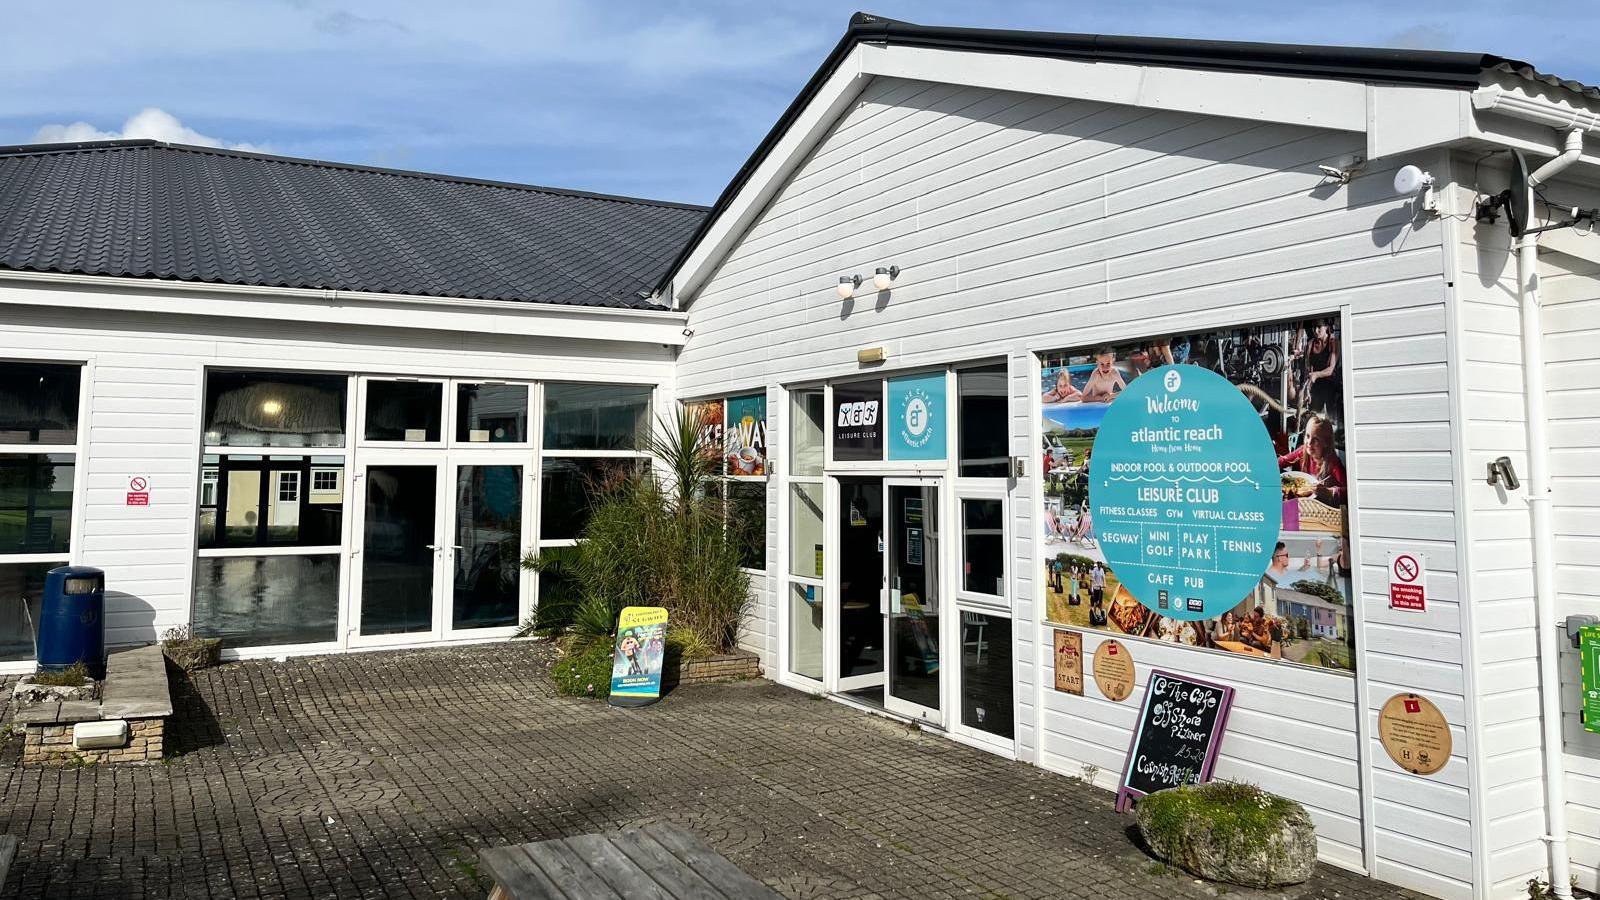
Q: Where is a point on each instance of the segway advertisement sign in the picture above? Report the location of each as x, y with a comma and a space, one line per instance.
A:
638, 655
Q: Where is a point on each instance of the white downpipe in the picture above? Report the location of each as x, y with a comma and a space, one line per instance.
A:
1544, 592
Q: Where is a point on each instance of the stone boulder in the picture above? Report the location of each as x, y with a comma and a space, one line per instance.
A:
1233, 833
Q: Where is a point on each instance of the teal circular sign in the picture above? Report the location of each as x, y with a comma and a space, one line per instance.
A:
1184, 486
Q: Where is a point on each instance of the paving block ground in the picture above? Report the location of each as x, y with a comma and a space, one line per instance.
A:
383, 774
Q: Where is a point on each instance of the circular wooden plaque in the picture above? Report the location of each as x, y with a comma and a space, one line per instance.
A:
1113, 670
1414, 733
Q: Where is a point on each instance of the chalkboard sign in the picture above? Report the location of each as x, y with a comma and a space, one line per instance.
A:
1177, 737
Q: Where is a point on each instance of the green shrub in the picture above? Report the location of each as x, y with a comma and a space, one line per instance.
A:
73, 676
652, 542
584, 670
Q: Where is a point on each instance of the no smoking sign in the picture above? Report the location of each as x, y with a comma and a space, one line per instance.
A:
138, 491
1408, 581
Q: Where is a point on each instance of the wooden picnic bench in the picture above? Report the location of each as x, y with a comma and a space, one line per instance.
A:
8, 852
656, 862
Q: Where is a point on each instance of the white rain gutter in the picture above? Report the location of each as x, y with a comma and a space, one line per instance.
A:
1576, 123
1539, 112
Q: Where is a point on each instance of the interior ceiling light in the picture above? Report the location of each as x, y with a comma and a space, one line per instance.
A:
885, 277
848, 285
271, 407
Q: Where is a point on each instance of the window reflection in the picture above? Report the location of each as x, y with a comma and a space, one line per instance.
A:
265, 501
983, 546
491, 413
36, 503
488, 546
274, 409
568, 487
982, 418
39, 403
404, 411
20, 583
747, 521
596, 417
258, 601
986, 676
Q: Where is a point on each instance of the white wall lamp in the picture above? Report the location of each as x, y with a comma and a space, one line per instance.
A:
1409, 180
884, 278
848, 285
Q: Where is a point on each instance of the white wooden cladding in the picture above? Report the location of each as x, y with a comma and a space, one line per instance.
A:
1025, 223
1502, 627
1571, 295
144, 416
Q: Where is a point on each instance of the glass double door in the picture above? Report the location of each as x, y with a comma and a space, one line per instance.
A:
440, 538
890, 595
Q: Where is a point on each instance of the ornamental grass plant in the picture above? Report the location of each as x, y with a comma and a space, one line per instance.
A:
660, 539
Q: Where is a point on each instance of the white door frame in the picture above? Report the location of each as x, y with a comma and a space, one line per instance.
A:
833, 635
939, 568
964, 601
409, 457
444, 602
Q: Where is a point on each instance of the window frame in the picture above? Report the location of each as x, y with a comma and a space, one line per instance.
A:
363, 405
453, 410
724, 480
536, 418
787, 479
346, 454
77, 450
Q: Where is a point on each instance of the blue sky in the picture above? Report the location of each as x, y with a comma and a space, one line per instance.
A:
662, 99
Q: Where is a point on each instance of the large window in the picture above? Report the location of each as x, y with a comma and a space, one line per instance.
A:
737, 428
983, 422
271, 524
275, 409
591, 434
1297, 605
38, 476
804, 497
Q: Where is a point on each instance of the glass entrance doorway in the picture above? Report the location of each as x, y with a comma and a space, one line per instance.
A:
888, 638
441, 539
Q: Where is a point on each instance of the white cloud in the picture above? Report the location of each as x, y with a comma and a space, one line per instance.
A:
148, 123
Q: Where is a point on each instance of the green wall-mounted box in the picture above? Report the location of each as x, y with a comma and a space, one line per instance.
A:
1589, 644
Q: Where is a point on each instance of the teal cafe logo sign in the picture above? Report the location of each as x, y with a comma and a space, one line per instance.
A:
1184, 487
917, 417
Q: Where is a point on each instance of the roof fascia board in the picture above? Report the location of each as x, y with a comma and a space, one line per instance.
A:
1312, 102
1405, 119
838, 92
333, 307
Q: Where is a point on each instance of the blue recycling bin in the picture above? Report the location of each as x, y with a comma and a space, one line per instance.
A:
72, 620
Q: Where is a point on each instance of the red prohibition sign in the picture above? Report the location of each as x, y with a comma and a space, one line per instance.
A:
1406, 568
137, 483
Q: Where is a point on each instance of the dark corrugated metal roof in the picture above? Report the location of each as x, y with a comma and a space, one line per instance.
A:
1378, 65
146, 209
1528, 72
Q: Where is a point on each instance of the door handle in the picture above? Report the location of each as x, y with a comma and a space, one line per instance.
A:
433, 546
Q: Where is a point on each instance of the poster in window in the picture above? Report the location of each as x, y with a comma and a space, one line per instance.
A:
857, 421
917, 417
707, 416
746, 435
1297, 606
